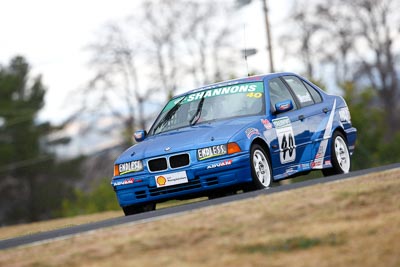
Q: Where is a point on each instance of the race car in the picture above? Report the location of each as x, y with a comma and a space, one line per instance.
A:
240, 134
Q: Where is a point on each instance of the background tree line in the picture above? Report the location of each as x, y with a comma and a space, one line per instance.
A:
33, 183
358, 42
142, 60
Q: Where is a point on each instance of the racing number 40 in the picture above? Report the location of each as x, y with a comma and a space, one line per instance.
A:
255, 95
288, 148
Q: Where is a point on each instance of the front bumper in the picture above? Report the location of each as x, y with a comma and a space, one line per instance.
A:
132, 189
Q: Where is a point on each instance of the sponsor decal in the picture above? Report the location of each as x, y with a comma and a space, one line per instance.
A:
319, 157
161, 181
290, 171
304, 166
219, 164
138, 135
171, 179
284, 106
286, 140
281, 122
316, 165
126, 181
267, 124
305, 98
254, 87
240, 88
252, 131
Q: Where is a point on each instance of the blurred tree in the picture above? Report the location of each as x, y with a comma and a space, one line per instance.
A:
367, 35
101, 198
390, 151
366, 117
302, 39
378, 29
144, 59
115, 89
28, 191
187, 37
208, 42
361, 39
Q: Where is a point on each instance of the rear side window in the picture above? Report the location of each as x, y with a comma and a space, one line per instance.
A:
316, 96
303, 95
279, 92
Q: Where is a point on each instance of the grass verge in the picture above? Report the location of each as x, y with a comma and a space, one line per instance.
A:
44, 226
354, 222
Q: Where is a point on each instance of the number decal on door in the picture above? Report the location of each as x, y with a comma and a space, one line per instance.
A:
287, 144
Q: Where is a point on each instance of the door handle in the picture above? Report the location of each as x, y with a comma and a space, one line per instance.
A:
301, 117
325, 110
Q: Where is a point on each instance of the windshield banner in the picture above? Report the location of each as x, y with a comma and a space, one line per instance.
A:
255, 87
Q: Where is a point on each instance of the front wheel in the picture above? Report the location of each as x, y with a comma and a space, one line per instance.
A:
260, 167
340, 156
135, 209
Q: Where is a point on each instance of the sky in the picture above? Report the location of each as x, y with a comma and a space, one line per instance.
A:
52, 36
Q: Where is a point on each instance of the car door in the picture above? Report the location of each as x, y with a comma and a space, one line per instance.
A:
312, 113
291, 133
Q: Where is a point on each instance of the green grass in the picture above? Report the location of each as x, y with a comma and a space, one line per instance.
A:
292, 244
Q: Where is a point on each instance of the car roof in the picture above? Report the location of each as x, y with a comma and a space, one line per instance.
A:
238, 81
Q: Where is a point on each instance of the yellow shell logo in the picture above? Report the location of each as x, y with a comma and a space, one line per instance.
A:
161, 180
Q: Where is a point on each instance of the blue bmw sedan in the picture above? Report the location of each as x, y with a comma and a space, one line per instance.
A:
238, 134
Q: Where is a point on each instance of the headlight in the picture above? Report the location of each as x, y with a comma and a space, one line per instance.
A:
127, 167
215, 151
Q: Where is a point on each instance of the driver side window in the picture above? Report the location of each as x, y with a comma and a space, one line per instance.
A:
279, 92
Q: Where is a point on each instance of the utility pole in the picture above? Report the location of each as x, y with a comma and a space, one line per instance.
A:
268, 30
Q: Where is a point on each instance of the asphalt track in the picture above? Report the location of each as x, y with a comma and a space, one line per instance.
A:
46, 237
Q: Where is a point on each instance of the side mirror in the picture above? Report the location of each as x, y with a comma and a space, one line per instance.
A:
140, 135
283, 106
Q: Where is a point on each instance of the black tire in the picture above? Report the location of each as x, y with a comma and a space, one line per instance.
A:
135, 209
340, 156
261, 170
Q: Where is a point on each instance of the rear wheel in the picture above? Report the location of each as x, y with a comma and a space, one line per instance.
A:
340, 156
260, 167
135, 209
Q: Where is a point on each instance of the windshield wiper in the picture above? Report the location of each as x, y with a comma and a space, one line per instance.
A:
168, 116
197, 115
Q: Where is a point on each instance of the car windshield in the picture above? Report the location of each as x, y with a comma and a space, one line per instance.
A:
212, 104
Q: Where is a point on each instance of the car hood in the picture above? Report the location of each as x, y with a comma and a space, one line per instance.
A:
187, 138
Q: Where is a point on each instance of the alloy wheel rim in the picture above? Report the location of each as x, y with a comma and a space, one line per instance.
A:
261, 168
342, 154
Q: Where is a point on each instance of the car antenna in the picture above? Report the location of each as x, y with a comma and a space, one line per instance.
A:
245, 49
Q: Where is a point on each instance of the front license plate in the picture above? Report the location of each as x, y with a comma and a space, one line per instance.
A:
171, 179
